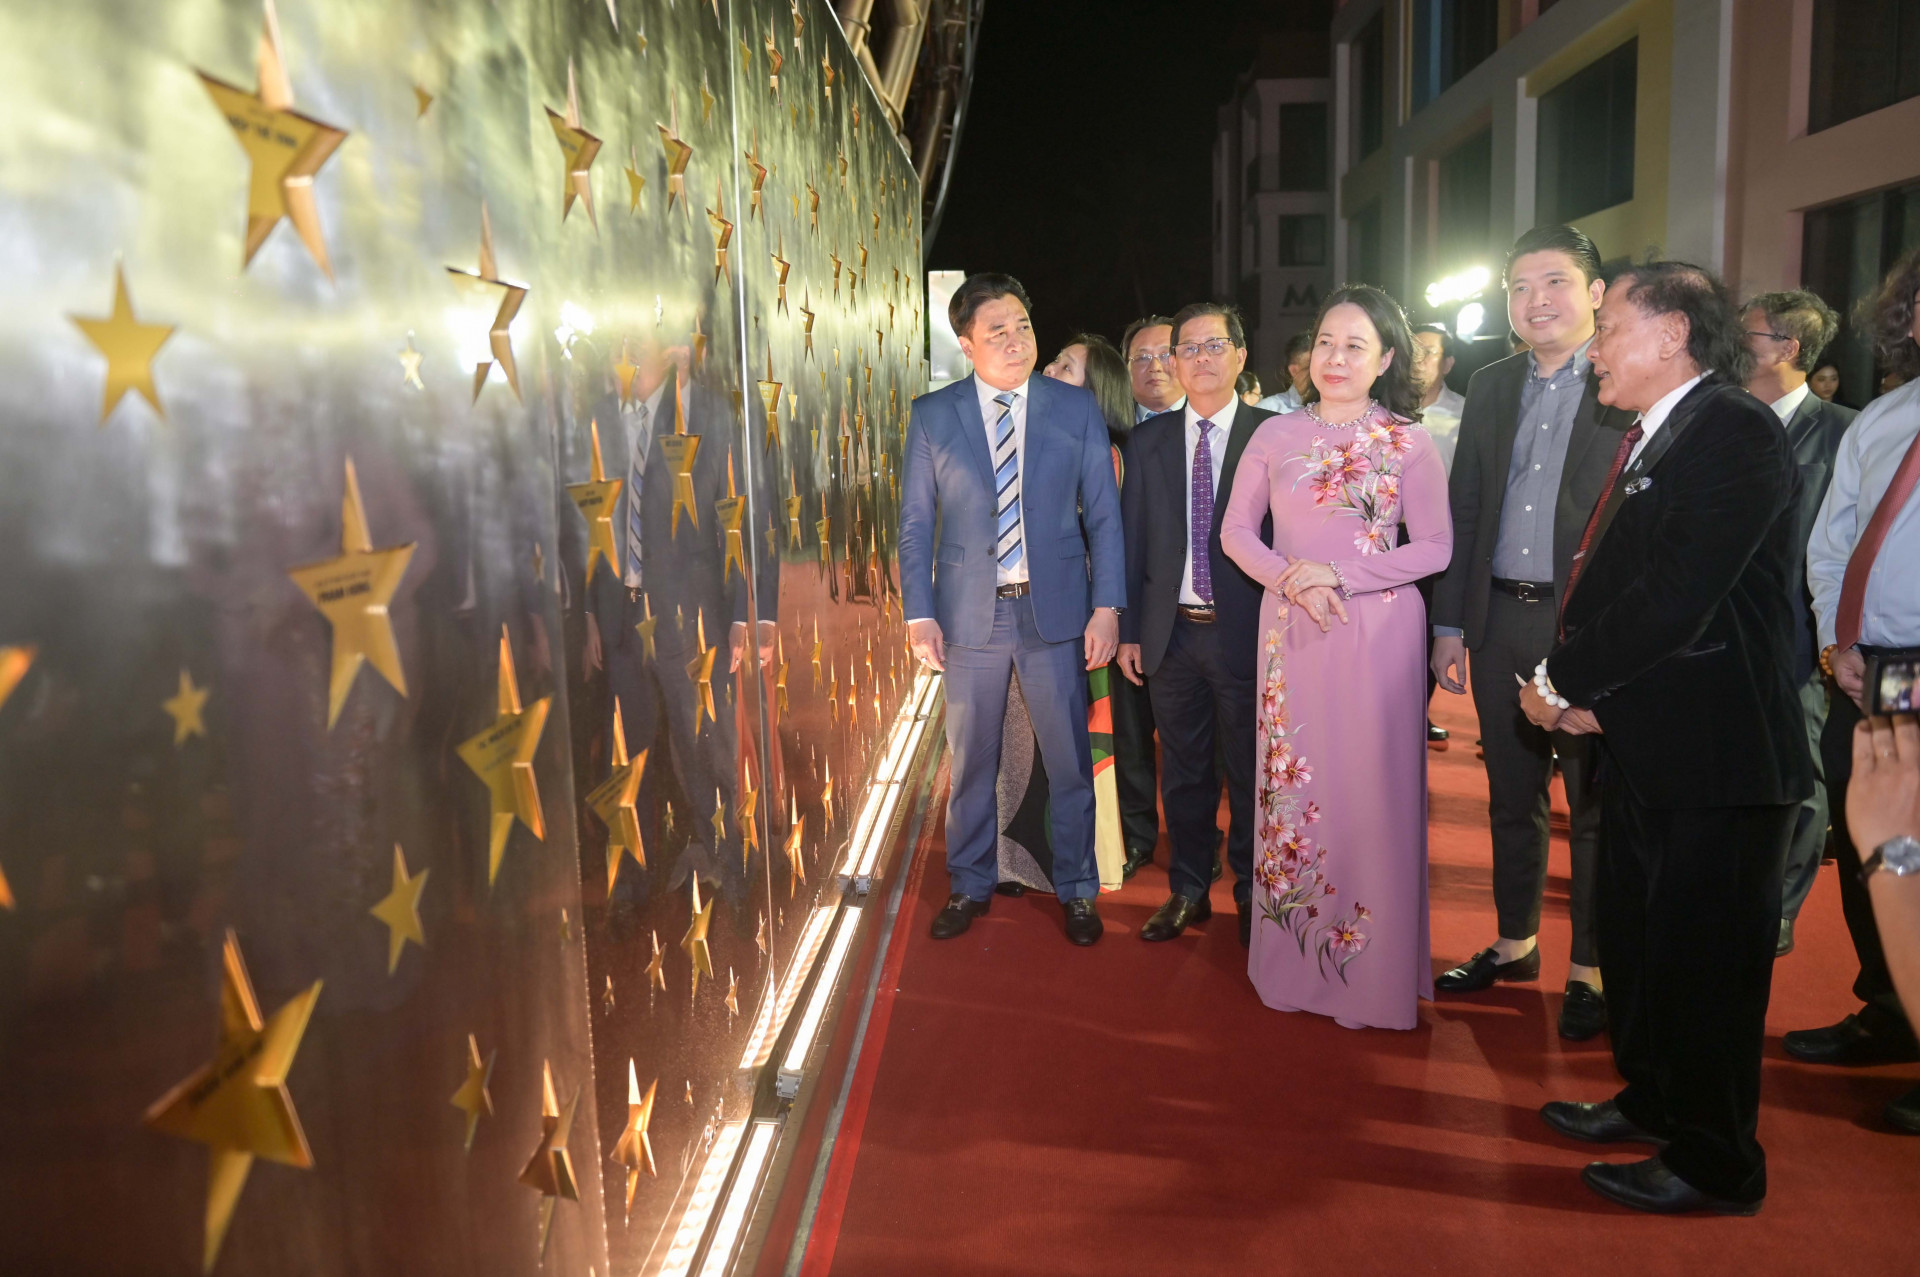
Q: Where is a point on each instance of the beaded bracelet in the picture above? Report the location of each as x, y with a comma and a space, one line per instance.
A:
1346, 591
1546, 690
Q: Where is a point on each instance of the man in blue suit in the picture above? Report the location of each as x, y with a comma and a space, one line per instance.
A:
993, 583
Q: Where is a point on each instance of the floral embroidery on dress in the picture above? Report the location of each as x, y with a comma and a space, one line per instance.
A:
1361, 478
1292, 869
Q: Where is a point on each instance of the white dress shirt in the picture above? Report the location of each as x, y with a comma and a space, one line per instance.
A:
1217, 441
989, 415
1870, 452
1287, 400
1655, 417
1442, 420
1786, 405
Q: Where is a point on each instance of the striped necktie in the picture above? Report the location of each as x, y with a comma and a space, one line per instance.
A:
1007, 549
635, 478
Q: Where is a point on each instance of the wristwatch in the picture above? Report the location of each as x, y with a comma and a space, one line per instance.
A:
1898, 856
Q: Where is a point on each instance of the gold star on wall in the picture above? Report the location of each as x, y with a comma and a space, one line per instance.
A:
826, 795
799, 23
421, 101
834, 257
577, 149
613, 801
695, 941
770, 401
806, 318
706, 100
646, 628
286, 148
759, 171
400, 909
656, 972
826, 76
595, 499
794, 505
129, 347
700, 671
774, 60
722, 232
473, 1098
719, 819
749, 829
760, 935
410, 365
634, 1148
817, 649
731, 510
813, 207
796, 859
484, 281
679, 154
733, 996
502, 756
780, 268
354, 592
185, 707
549, 1171
680, 450
237, 1103
636, 182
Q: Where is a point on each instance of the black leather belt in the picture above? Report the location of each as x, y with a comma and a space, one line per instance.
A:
1016, 590
1525, 591
1198, 615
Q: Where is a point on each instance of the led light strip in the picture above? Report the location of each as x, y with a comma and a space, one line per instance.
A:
706, 1192
746, 1184
774, 1010
882, 794
810, 1021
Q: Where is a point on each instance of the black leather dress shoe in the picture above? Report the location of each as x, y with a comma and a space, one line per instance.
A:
1484, 968
1601, 1123
1010, 889
1137, 858
959, 914
1246, 924
1853, 1042
1173, 917
1216, 869
1784, 945
1903, 1114
1651, 1187
1584, 1013
1436, 735
1083, 921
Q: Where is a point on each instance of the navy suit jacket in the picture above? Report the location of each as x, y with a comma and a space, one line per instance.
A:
1075, 550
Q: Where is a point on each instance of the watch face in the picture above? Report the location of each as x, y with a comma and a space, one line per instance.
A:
1901, 855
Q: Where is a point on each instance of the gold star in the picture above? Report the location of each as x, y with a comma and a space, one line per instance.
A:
354, 592
759, 177
400, 910
695, 941
422, 100
612, 800
840, 154
722, 232
501, 755
731, 509
595, 499
806, 317
689, 1092
706, 99
794, 505
624, 371
129, 346
813, 206
483, 281
774, 60
799, 23
634, 1148
472, 1098
856, 124
796, 862
698, 340
760, 935
816, 653
655, 973
607, 999
826, 76
679, 152
834, 257
237, 1103
770, 400
641, 36
410, 365
733, 996
539, 563
680, 450
700, 670
823, 528
749, 830
550, 1170
719, 819
780, 689
185, 708
646, 628
780, 268
577, 149
826, 795
636, 182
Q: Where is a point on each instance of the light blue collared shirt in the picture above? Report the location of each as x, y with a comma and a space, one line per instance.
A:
1870, 452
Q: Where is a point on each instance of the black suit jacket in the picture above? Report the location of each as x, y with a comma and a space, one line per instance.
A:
1153, 506
1477, 487
1813, 432
1679, 632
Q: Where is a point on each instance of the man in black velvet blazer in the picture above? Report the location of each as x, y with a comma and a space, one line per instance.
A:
1677, 642
1190, 637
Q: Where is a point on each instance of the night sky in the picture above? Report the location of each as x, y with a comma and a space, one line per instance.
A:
1085, 168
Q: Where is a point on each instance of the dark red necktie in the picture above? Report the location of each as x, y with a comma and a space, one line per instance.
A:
1627, 441
1853, 586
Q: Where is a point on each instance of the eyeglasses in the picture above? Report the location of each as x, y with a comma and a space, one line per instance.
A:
1217, 347
1142, 362
1775, 336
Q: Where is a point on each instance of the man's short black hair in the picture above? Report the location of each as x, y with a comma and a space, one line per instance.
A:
1801, 315
1570, 240
1133, 330
1236, 331
1716, 339
1447, 349
976, 291
1299, 344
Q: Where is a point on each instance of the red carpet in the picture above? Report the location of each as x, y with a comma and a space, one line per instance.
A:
1132, 1108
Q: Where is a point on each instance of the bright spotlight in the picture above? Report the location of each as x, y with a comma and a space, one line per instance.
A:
1468, 321
1467, 284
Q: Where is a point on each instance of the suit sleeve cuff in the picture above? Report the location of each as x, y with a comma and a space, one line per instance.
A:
1448, 631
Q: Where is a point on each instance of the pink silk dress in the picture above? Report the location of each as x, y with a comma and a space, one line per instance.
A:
1340, 802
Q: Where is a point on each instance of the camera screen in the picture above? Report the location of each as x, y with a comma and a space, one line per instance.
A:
1891, 689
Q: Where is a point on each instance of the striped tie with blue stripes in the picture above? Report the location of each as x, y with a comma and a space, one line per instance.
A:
1008, 548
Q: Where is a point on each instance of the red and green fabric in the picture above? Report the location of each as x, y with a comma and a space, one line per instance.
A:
1109, 847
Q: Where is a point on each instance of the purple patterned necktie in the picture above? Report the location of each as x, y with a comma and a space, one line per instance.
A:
1202, 520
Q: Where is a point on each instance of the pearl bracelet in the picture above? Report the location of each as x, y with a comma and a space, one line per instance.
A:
1545, 687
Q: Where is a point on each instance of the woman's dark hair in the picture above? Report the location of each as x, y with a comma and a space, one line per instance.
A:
1887, 316
1716, 337
975, 292
1394, 387
1107, 379
1246, 383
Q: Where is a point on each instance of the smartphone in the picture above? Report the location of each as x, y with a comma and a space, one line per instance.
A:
1892, 684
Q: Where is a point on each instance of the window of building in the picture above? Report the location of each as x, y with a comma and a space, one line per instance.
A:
1450, 38
1363, 247
1585, 160
1845, 251
1300, 239
1303, 146
1465, 205
1369, 61
1866, 55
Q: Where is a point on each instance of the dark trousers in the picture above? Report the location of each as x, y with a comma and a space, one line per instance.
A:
1053, 679
1810, 825
1202, 709
1520, 771
1689, 911
1133, 767
1874, 985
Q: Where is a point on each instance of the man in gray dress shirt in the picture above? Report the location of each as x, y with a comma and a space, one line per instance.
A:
1535, 445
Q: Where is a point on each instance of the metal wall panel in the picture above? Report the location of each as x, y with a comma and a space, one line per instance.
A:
156, 544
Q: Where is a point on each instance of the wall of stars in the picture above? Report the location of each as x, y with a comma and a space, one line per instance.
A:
447, 612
